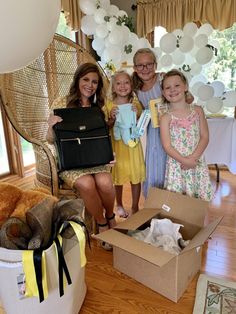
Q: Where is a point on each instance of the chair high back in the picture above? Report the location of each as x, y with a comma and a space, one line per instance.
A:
27, 95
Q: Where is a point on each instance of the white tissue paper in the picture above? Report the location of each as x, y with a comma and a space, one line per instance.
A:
162, 233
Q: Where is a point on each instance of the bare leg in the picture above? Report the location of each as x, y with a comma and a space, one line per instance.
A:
106, 193
119, 193
136, 190
88, 191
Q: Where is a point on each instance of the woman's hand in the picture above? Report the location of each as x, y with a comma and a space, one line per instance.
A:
112, 162
52, 120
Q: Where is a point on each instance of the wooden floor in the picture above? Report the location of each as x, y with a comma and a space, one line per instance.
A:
109, 291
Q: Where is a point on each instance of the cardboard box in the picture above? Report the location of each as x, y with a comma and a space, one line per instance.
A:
165, 273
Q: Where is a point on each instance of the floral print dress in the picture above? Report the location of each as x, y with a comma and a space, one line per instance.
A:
185, 135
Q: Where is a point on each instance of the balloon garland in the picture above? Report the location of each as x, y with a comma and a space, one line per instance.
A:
190, 50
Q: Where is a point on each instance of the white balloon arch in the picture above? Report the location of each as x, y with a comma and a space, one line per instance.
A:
188, 50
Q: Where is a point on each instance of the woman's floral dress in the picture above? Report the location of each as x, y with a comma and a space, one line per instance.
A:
185, 135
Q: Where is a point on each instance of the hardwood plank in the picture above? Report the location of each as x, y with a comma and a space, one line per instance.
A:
110, 291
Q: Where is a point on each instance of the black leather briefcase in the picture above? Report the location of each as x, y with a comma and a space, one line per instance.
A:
82, 138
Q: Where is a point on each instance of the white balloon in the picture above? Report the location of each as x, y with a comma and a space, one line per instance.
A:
166, 60
230, 99
143, 43
189, 59
199, 78
101, 31
190, 29
214, 43
98, 44
105, 4
99, 15
186, 43
201, 40
88, 6
195, 87
205, 92
26, 29
205, 29
88, 25
196, 68
218, 87
116, 35
112, 54
112, 23
201, 103
214, 105
125, 31
113, 10
168, 43
178, 57
178, 32
121, 13
133, 38
204, 55
158, 52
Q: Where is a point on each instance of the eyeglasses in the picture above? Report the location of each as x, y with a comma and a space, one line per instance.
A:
141, 67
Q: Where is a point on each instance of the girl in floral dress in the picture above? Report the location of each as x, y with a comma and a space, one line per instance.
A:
184, 136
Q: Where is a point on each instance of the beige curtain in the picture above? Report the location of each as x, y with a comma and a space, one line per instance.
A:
173, 14
72, 13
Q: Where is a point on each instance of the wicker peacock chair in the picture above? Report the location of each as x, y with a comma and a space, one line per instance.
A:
27, 95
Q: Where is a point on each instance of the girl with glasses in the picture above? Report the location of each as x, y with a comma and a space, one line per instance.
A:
147, 86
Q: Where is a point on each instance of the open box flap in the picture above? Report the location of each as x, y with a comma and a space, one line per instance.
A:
202, 235
141, 249
178, 206
138, 219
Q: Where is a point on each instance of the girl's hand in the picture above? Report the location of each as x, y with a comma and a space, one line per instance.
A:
189, 163
134, 108
52, 120
113, 113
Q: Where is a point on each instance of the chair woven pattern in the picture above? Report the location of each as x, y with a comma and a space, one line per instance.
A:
28, 95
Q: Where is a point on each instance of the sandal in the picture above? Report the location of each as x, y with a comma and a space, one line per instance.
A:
111, 220
122, 212
103, 227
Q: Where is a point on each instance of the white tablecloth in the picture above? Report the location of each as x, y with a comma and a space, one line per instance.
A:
222, 143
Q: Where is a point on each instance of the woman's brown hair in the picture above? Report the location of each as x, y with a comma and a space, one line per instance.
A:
74, 96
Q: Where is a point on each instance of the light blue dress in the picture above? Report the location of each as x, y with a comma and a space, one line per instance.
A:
155, 157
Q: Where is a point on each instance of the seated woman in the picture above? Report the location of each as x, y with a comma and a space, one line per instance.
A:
94, 185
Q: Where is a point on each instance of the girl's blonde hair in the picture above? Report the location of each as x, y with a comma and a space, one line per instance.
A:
137, 82
174, 72
111, 93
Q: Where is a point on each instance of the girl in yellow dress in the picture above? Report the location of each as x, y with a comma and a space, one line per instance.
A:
129, 166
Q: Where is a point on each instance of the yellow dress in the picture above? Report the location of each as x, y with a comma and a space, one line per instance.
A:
70, 176
129, 166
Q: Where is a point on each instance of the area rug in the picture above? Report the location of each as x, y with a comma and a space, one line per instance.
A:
215, 296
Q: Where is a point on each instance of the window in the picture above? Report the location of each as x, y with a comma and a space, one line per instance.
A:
223, 67
3, 152
63, 29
